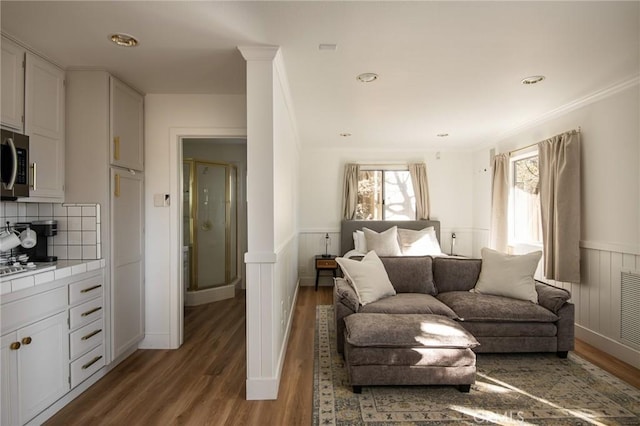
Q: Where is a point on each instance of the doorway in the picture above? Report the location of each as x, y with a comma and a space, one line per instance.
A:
213, 218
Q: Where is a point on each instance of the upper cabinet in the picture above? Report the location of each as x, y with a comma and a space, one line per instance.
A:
44, 124
12, 109
126, 126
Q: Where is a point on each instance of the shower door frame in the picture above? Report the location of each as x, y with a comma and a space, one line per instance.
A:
193, 218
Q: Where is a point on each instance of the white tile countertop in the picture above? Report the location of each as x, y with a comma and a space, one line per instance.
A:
44, 274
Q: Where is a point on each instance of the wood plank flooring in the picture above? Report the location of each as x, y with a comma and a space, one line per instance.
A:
203, 382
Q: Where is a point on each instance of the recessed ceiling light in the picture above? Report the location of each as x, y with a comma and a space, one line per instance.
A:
367, 77
533, 79
122, 39
442, 135
327, 46
345, 134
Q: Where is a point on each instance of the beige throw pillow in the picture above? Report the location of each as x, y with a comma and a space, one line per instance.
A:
419, 243
508, 275
383, 243
368, 277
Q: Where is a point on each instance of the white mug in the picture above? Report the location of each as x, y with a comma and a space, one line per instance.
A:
28, 238
8, 240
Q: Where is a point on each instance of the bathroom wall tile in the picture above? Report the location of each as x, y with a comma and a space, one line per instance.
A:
89, 252
74, 252
74, 238
88, 237
74, 223
88, 211
22, 209
88, 223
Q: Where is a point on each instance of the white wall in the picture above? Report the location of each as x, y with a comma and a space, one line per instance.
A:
166, 115
321, 173
610, 211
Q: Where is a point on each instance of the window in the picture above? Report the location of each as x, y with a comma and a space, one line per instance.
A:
385, 195
525, 225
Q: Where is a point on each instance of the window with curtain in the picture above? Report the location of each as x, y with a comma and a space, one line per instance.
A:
385, 195
525, 224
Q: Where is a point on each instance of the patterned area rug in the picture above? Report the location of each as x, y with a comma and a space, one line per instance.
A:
518, 389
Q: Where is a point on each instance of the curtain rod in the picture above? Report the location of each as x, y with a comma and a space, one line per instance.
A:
579, 130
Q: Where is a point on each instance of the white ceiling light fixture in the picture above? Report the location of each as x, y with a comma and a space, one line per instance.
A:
125, 40
534, 79
345, 134
367, 77
327, 46
442, 135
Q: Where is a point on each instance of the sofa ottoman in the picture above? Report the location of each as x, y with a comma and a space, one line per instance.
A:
408, 349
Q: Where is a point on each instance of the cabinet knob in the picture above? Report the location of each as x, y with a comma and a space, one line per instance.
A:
14, 346
26, 340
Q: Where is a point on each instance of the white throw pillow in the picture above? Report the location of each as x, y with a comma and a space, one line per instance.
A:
419, 243
508, 275
368, 277
359, 242
383, 243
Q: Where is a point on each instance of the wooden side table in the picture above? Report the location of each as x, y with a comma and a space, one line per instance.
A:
325, 264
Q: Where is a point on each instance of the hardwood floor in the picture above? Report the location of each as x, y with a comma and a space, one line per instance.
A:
203, 382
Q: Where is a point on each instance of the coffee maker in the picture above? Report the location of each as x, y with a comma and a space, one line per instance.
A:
43, 229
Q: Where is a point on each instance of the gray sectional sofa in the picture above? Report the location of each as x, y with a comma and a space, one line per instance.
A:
441, 285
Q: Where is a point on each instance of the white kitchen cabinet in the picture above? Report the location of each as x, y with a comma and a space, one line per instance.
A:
92, 118
126, 125
35, 363
127, 258
12, 109
44, 124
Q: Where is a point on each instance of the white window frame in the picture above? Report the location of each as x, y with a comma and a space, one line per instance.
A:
387, 168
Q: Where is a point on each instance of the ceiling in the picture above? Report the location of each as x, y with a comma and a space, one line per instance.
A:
444, 67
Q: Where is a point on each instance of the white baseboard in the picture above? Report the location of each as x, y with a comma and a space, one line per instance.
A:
209, 295
606, 344
156, 341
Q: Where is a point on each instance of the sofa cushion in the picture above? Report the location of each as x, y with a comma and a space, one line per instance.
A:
410, 274
368, 277
409, 303
552, 298
427, 357
510, 329
455, 274
419, 243
485, 307
508, 275
411, 330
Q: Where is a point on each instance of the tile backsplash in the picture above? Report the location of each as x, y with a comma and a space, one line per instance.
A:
78, 235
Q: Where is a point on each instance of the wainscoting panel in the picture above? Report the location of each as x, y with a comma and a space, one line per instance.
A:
311, 243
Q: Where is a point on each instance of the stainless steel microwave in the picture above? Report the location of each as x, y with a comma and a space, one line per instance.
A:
14, 166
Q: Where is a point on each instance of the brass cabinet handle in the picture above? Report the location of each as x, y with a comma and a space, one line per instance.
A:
14, 346
116, 192
93, 361
26, 340
34, 167
87, 290
116, 148
84, 314
90, 335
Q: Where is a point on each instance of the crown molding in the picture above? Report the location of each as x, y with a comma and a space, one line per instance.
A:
259, 53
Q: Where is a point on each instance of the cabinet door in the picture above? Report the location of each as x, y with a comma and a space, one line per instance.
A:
9, 374
127, 122
44, 123
43, 364
127, 254
12, 109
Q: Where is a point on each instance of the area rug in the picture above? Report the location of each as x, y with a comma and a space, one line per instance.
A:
510, 389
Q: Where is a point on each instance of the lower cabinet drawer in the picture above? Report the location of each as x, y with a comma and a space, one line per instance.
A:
87, 337
86, 365
85, 313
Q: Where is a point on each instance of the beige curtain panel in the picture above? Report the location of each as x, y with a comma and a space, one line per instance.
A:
418, 173
350, 191
498, 229
559, 162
